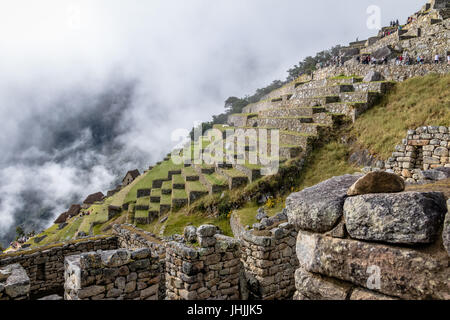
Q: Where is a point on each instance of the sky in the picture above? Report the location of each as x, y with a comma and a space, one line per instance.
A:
92, 89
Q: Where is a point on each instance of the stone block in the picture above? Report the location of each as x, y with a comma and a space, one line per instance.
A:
393, 271
319, 208
407, 218
316, 287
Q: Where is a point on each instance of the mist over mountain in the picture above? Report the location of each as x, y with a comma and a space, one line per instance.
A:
92, 89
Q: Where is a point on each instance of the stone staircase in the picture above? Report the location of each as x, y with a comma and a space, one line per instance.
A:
308, 112
303, 112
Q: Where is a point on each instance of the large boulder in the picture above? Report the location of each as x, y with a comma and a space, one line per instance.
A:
372, 76
349, 52
434, 174
115, 258
18, 283
316, 287
377, 182
408, 218
319, 208
446, 232
394, 271
384, 52
190, 234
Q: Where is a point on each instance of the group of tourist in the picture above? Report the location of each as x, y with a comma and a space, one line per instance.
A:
410, 20
395, 23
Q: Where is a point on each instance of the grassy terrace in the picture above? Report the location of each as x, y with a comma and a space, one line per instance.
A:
179, 194
344, 77
141, 214
412, 103
156, 193
167, 185
234, 173
154, 207
144, 201
158, 172
177, 179
189, 172
216, 179
195, 186
249, 115
166, 199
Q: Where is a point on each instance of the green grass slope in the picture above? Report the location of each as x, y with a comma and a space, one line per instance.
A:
413, 103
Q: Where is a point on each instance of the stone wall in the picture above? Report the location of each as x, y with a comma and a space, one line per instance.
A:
45, 266
204, 266
269, 261
349, 250
130, 237
389, 72
14, 283
112, 275
423, 149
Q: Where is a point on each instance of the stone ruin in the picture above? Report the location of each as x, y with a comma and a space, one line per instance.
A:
112, 275
207, 271
354, 237
423, 149
14, 283
371, 246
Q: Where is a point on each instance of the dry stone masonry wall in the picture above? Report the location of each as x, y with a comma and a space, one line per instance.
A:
45, 267
112, 275
208, 270
372, 245
269, 262
423, 149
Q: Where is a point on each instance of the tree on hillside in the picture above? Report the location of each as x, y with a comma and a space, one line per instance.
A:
234, 105
260, 93
308, 65
19, 232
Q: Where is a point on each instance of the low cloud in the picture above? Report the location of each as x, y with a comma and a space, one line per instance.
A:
91, 89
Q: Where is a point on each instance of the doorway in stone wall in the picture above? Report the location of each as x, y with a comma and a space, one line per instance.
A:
418, 164
40, 272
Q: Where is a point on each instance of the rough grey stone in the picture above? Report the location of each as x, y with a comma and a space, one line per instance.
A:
434, 174
206, 230
115, 258
141, 254
403, 273
319, 208
53, 297
90, 291
446, 231
373, 76
261, 214
366, 295
17, 284
266, 222
408, 218
258, 226
207, 241
190, 234
317, 287
385, 52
